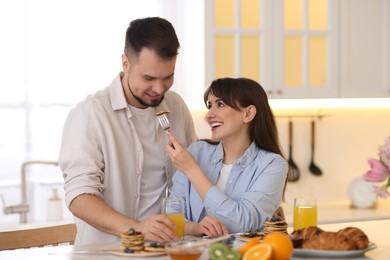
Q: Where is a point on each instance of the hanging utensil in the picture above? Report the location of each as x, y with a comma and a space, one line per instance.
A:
293, 171
313, 168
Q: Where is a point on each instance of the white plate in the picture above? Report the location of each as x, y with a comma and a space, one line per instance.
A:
330, 253
120, 252
361, 193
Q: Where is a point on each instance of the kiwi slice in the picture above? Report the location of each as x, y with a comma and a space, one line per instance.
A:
233, 255
218, 251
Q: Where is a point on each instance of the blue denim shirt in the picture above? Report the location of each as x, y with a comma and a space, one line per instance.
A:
253, 192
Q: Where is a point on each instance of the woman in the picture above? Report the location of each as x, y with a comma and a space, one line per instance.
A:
236, 181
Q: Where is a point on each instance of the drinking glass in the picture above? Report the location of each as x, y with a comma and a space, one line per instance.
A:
305, 212
173, 207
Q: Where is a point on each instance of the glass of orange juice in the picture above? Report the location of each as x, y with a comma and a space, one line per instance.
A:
305, 212
173, 207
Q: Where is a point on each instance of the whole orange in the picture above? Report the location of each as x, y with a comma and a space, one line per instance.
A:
282, 246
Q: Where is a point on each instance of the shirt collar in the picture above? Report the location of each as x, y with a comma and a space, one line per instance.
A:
246, 158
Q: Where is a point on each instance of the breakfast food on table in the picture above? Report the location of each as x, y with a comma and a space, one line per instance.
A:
180, 250
220, 251
350, 238
132, 240
282, 246
306, 233
275, 224
252, 234
275, 246
356, 235
261, 251
250, 243
154, 247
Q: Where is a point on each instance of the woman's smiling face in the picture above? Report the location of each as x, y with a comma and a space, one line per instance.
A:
225, 122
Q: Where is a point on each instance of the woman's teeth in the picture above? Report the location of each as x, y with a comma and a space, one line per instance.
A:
215, 124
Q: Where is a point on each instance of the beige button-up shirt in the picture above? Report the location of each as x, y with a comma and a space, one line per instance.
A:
101, 154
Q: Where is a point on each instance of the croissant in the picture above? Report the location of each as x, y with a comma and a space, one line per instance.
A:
329, 241
356, 235
350, 238
306, 233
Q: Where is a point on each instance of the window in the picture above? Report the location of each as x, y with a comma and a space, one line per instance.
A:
54, 53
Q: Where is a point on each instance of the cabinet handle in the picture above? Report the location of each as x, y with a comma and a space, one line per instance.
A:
279, 92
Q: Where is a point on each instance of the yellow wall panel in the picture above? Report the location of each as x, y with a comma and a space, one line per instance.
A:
293, 14
317, 62
318, 14
224, 56
224, 13
250, 57
250, 14
293, 61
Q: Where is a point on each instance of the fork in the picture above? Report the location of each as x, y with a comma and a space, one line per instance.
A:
164, 122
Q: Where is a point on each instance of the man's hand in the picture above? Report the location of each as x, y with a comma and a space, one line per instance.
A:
157, 228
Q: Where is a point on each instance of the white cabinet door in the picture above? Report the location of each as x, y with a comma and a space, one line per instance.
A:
289, 46
364, 48
356, 63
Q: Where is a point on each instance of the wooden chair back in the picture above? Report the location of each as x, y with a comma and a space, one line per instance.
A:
38, 237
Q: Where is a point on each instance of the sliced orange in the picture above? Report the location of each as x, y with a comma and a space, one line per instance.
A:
261, 251
250, 243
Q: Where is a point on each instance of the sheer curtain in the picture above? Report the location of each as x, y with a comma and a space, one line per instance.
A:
55, 52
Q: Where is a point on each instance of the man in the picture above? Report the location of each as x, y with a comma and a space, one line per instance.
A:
112, 156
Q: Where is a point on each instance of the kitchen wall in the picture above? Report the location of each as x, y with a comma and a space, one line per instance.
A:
345, 139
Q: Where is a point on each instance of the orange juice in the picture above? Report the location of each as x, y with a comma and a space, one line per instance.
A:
305, 216
178, 219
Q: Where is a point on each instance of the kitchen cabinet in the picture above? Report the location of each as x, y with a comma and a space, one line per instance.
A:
364, 48
301, 49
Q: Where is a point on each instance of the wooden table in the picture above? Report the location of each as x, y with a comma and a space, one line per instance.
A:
377, 231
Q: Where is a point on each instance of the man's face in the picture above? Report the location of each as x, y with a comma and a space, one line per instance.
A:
147, 79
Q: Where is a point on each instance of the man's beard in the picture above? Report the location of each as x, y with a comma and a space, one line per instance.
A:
153, 103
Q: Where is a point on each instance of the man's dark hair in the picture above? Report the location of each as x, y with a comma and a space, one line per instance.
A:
154, 33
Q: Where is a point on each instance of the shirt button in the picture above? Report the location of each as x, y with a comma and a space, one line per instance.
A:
230, 181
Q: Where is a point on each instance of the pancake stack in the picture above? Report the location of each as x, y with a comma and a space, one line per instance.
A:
275, 224
133, 240
154, 247
246, 236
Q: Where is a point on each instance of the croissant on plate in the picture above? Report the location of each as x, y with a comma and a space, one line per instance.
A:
356, 235
350, 238
307, 233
